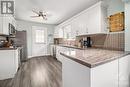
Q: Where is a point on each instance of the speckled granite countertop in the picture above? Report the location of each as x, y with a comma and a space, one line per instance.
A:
93, 57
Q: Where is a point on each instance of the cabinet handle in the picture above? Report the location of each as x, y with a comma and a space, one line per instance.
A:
86, 29
77, 32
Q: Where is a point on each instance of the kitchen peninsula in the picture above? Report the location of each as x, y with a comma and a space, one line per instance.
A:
93, 67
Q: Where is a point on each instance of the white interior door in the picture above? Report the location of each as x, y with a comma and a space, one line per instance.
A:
39, 41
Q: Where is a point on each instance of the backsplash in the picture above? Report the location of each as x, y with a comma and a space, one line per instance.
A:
2, 38
113, 41
64, 41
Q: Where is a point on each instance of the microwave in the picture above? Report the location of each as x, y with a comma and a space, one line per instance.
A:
12, 30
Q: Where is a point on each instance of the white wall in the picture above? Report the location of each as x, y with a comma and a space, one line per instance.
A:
25, 25
115, 6
127, 26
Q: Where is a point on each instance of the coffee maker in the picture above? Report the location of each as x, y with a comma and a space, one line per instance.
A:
87, 42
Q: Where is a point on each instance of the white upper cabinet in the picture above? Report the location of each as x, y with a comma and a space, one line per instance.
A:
58, 32
4, 24
80, 24
68, 32
91, 21
4, 29
97, 19
1, 25
13, 21
94, 19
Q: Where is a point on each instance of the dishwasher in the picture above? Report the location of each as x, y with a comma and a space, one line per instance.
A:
53, 51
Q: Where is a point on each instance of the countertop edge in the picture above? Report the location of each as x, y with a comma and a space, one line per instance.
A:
11, 48
74, 47
95, 65
76, 60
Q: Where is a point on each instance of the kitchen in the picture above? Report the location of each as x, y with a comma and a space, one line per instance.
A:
89, 47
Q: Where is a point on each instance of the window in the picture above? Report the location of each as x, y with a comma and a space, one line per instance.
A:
40, 36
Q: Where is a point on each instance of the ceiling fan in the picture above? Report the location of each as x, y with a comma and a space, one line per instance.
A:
42, 14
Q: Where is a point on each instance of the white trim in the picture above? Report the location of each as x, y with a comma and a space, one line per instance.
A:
33, 40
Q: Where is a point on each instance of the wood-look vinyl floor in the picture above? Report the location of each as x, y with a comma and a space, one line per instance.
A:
37, 72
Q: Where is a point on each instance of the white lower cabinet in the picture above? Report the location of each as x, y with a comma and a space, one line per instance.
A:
105, 75
124, 72
112, 74
58, 50
9, 62
75, 74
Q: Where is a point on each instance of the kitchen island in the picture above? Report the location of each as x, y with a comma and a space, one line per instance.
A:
94, 67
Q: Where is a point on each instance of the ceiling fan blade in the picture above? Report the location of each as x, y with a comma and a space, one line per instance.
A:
44, 18
35, 12
34, 16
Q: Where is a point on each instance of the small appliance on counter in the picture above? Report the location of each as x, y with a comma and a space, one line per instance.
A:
87, 42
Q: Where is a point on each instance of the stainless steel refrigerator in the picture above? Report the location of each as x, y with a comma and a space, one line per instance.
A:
21, 41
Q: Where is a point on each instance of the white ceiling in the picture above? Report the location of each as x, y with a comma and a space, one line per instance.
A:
60, 10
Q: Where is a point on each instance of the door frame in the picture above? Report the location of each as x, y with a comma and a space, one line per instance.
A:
33, 37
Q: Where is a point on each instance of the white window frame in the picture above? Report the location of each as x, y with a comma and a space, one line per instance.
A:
41, 36
45, 34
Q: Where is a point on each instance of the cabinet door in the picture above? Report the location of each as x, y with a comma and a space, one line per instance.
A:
84, 23
67, 31
124, 71
80, 24
1, 25
105, 75
8, 64
77, 26
13, 21
74, 26
56, 32
58, 50
60, 32
4, 25
16, 59
51, 50
6, 21
74, 74
94, 20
